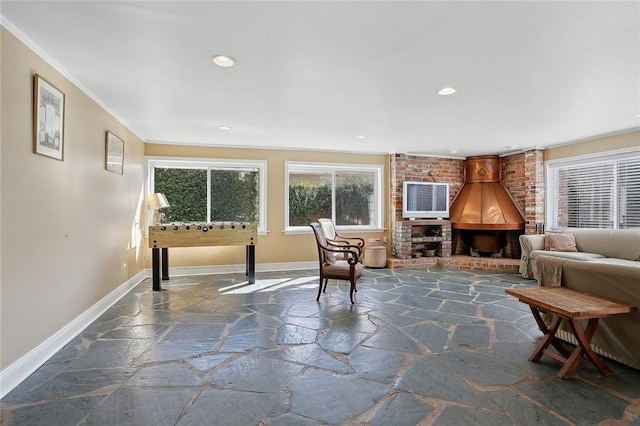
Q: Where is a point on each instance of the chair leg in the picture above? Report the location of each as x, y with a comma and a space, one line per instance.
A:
326, 281
353, 288
319, 290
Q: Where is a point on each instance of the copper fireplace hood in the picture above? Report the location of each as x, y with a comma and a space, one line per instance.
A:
483, 203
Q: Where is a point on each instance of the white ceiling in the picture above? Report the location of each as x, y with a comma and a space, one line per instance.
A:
314, 75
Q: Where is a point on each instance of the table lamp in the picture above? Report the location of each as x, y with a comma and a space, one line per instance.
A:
156, 202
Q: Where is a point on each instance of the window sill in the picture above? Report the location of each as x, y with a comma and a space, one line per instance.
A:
354, 231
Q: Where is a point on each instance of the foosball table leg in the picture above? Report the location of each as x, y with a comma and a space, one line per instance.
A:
251, 264
155, 268
165, 263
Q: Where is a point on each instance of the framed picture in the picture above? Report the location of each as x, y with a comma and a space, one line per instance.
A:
48, 119
114, 154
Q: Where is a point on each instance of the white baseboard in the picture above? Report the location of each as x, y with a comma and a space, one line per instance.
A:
15, 373
238, 268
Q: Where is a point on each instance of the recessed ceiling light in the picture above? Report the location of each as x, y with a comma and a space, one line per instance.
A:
225, 128
361, 137
223, 61
446, 91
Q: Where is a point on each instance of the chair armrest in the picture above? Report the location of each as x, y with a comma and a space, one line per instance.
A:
355, 250
349, 239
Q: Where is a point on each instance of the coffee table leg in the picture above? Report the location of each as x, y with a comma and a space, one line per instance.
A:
549, 335
584, 348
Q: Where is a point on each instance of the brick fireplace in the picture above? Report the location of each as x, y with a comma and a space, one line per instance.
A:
523, 176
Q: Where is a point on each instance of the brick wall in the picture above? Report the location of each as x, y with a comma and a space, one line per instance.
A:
405, 167
535, 191
416, 168
515, 179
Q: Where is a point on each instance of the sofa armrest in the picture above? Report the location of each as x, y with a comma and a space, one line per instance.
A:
529, 243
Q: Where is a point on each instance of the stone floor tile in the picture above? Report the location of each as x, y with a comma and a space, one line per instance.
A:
255, 374
459, 308
69, 383
254, 321
575, 400
421, 302
245, 341
331, 398
293, 334
111, 353
314, 323
311, 355
433, 336
164, 375
193, 332
401, 409
149, 331
207, 362
511, 332
227, 407
470, 336
392, 339
498, 312
428, 379
374, 364
291, 420
173, 351
481, 368
457, 415
70, 411
341, 341
140, 406
524, 412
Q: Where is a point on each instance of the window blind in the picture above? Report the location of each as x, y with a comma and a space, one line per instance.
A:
598, 192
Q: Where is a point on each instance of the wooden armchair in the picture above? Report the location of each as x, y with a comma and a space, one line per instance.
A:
349, 269
332, 236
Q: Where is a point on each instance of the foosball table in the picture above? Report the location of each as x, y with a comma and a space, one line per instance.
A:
162, 237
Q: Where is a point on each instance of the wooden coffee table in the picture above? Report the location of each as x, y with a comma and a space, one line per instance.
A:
573, 306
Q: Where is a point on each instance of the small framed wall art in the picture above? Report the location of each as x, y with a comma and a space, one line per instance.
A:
48, 119
114, 154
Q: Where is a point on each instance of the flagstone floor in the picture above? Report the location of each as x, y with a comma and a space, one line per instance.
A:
418, 347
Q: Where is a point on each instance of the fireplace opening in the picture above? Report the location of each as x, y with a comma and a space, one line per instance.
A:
486, 243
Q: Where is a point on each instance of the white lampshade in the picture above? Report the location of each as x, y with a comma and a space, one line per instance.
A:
157, 201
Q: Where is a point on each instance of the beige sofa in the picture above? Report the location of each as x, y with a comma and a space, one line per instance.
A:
617, 246
607, 264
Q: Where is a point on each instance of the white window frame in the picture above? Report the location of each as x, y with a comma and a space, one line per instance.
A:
305, 166
582, 160
215, 163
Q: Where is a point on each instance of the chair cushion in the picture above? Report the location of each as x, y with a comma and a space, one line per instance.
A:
340, 268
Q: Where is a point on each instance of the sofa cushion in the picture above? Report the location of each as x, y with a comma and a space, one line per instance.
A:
577, 255
615, 261
555, 241
619, 243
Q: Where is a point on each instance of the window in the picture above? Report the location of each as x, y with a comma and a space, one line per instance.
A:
350, 195
211, 190
594, 192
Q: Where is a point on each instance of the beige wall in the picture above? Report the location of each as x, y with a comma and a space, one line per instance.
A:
275, 247
595, 145
68, 227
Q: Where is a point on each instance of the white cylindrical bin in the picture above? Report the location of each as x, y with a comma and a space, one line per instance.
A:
375, 256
